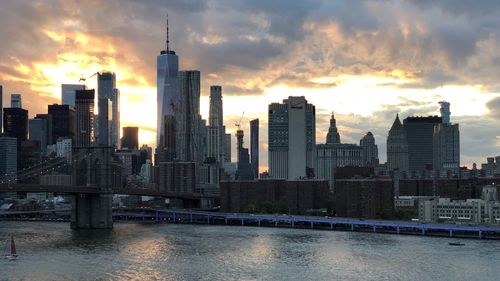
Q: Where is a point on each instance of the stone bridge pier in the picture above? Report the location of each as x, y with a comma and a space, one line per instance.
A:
92, 167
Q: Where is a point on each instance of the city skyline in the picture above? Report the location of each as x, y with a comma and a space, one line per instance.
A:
241, 59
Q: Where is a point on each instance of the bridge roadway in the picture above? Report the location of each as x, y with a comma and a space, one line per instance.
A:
59, 189
397, 227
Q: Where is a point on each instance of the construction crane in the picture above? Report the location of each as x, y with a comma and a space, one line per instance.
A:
84, 79
238, 124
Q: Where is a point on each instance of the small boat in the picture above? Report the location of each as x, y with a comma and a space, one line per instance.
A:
456, 244
10, 249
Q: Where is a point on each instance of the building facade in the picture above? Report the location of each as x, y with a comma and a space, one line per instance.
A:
130, 139
446, 144
397, 148
370, 150
475, 211
168, 96
293, 197
16, 101
177, 177
291, 139
227, 148
68, 92
15, 124
189, 115
8, 158
254, 147
84, 111
108, 105
364, 198
216, 132
331, 156
419, 135
63, 121
1, 109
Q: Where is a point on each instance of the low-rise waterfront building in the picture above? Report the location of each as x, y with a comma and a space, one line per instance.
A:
470, 211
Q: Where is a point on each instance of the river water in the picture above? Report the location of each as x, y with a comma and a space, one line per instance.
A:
52, 251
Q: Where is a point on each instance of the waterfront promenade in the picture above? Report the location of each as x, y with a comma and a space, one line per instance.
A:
262, 220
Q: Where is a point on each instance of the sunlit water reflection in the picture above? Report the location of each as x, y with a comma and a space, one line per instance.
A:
51, 251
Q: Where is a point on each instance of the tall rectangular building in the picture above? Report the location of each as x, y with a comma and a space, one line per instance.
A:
188, 115
130, 139
168, 96
115, 122
292, 138
8, 158
106, 85
419, 135
446, 143
16, 101
63, 121
1, 109
68, 92
227, 148
254, 147
15, 124
84, 110
216, 132
47, 128
38, 128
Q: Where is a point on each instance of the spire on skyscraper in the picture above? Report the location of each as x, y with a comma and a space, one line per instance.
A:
167, 47
333, 135
397, 123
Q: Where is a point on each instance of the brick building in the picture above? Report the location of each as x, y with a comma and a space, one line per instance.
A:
364, 198
299, 196
456, 189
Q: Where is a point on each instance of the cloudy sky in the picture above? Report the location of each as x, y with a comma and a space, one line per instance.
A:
364, 60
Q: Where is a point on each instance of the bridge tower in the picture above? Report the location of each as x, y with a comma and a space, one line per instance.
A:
92, 168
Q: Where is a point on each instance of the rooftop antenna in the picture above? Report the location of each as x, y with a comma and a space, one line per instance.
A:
168, 48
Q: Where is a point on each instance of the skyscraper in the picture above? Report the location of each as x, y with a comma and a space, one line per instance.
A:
68, 93
1, 109
397, 147
188, 115
292, 138
15, 124
333, 154
107, 105
333, 135
215, 125
63, 121
227, 148
8, 158
16, 101
115, 123
47, 128
84, 110
244, 171
168, 95
130, 139
254, 147
370, 150
446, 143
38, 131
419, 134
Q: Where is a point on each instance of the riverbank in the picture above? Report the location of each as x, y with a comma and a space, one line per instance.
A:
285, 221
